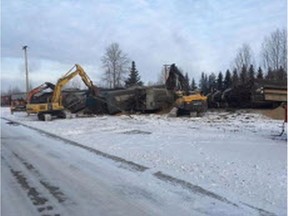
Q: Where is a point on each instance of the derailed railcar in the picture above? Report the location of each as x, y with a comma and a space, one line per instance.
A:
119, 100
18, 102
238, 97
151, 99
5, 100
269, 93
253, 94
134, 99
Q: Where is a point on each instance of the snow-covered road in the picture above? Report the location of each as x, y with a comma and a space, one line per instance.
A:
44, 176
206, 165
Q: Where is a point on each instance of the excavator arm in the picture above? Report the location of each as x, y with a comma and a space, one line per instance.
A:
56, 98
38, 89
176, 81
185, 103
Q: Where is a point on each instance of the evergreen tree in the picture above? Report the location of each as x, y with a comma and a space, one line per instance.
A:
259, 73
193, 85
277, 74
212, 82
251, 73
134, 78
187, 80
204, 83
243, 75
281, 74
235, 78
227, 80
270, 74
220, 81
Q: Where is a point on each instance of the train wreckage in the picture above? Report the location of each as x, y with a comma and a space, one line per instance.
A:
49, 100
175, 96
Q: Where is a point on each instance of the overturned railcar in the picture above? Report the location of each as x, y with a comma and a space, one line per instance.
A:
268, 93
257, 94
138, 99
151, 99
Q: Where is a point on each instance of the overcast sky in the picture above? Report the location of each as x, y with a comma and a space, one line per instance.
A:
197, 35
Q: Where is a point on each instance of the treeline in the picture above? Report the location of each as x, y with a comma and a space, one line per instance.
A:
273, 58
212, 82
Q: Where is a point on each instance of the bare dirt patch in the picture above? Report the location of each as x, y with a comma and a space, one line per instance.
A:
277, 113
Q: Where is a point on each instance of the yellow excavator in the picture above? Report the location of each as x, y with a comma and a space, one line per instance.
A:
186, 103
194, 104
54, 106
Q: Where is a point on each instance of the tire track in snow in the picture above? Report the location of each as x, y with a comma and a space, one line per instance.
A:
53, 190
262, 212
41, 202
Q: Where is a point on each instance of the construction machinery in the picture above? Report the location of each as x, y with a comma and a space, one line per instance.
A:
31, 97
194, 104
53, 105
18, 102
187, 102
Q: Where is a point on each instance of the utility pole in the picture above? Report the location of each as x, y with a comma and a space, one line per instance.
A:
166, 70
26, 68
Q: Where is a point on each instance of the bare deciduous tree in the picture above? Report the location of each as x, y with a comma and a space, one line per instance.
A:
274, 50
115, 63
243, 57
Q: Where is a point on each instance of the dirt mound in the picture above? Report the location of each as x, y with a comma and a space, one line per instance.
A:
278, 113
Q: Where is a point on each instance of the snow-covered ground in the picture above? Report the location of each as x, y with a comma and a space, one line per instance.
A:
234, 154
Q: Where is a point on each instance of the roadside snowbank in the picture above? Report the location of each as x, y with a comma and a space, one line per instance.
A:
232, 154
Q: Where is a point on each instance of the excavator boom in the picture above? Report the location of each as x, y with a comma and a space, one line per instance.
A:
186, 103
67, 77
